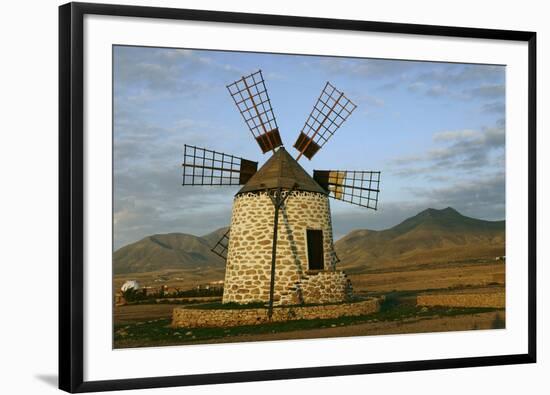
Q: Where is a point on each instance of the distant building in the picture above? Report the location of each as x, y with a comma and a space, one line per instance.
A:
130, 284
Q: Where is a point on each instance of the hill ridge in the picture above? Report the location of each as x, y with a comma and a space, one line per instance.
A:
162, 251
432, 235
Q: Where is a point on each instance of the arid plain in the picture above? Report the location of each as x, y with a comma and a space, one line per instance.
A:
436, 271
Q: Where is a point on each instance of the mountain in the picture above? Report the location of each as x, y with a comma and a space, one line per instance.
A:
169, 251
431, 236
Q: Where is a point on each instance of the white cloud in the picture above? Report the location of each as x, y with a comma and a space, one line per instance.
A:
454, 135
455, 150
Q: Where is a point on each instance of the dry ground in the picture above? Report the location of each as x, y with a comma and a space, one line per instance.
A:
182, 279
412, 325
418, 278
415, 277
401, 286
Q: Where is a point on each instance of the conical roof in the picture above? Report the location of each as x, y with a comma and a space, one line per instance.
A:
281, 171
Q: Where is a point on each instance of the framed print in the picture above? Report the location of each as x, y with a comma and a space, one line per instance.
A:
250, 197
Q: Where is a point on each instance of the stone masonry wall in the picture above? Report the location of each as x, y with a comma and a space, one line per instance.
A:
197, 318
325, 287
248, 266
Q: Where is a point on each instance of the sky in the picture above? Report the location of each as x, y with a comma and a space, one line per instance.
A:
436, 131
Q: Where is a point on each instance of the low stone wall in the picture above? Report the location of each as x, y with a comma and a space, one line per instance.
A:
496, 300
199, 318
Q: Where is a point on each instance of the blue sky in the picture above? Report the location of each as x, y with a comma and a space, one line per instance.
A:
436, 131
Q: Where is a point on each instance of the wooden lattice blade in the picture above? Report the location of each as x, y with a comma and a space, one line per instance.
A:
207, 167
252, 100
330, 111
352, 186
220, 248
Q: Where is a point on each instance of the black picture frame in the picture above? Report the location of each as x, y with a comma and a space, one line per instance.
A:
71, 204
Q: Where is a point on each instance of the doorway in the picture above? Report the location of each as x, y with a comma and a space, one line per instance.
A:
315, 255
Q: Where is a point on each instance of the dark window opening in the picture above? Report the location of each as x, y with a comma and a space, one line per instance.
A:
315, 255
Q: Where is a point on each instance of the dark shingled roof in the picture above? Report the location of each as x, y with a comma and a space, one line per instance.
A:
281, 171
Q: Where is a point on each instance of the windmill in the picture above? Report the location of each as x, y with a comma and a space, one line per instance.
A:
279, 246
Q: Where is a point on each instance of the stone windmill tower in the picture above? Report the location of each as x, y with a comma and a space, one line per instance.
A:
279, 247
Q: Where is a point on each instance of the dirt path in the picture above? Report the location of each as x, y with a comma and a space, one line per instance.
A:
414, 325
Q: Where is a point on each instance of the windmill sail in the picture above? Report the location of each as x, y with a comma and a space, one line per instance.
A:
220, 249
251, 98
355, 187
329, 113
206, 167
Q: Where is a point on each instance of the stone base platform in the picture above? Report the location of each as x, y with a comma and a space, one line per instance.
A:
183, 317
